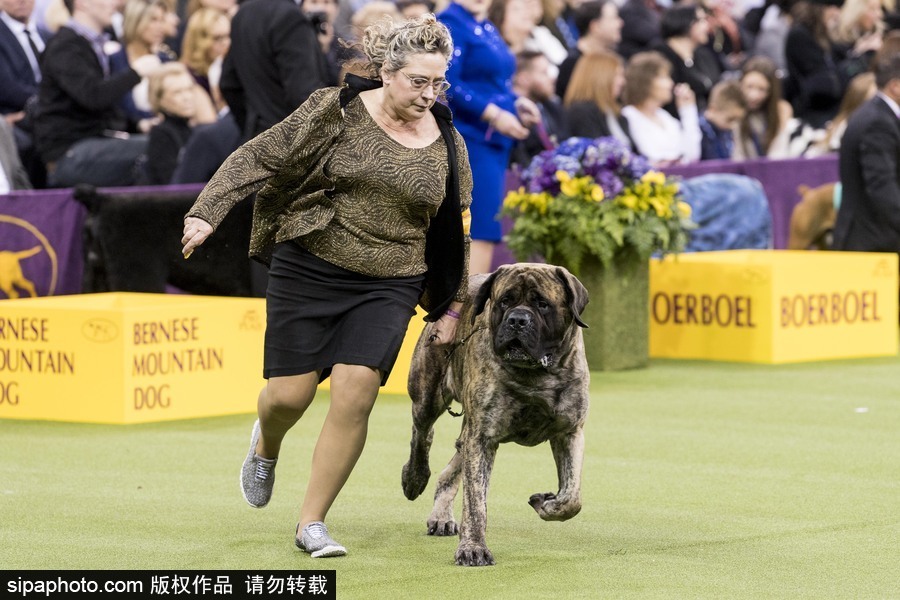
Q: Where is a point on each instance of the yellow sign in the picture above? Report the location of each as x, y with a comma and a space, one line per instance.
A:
138, 358
773, 306
130, 358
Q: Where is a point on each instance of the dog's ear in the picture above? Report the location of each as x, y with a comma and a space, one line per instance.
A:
576, 294
802, 189
484, 292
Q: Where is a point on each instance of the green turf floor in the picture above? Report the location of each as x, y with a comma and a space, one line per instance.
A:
701, 480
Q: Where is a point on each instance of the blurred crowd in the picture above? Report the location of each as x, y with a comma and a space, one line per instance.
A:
148, 92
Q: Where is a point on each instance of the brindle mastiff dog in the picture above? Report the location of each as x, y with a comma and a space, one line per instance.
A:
518, 368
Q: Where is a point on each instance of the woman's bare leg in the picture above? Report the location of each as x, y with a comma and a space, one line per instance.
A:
353, 392
280, 405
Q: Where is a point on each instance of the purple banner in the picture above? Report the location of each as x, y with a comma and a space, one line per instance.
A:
40, 244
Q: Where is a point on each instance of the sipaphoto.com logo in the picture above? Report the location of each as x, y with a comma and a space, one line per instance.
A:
28, 262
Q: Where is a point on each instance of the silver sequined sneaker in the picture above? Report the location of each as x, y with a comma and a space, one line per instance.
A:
315, 539
257, 474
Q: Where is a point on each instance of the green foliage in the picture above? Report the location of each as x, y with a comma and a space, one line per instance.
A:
579, 222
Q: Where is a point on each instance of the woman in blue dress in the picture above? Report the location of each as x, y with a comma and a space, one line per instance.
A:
486, 113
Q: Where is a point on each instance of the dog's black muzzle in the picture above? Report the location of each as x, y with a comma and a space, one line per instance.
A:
517, 341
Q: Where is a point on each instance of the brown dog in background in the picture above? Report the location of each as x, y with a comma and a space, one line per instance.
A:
812, 219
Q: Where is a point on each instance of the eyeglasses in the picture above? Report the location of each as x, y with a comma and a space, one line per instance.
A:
418, 84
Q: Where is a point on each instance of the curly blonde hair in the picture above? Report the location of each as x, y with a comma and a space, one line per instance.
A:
388, 45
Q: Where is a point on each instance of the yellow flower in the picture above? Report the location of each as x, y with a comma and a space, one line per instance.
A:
654, 177
514, 199
596, 193
628, 201
563, 176
662, 208
684, 209
569, 187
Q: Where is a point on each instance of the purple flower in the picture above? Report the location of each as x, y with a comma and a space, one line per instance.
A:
607, 160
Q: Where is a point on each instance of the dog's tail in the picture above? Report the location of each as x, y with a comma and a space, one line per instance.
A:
27, 253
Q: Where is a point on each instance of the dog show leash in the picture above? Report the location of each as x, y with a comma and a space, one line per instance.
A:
449, 355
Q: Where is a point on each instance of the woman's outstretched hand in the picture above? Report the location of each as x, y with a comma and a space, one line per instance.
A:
195, 233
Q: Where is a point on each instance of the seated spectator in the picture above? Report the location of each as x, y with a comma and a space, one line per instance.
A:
769, 25
412, 9
728, 40
81, 133
764, 129
559, 21
143, 30
519, 24
171, 25
592, 99
725, 111
534, 80
858, 19
360, 19
685, 31
818, 68
206, 150
206, 41
21, 45
659, 136
12, 174
187, 8
56, 15
370, 12
861, 89
599, 30
171, 92
640, 26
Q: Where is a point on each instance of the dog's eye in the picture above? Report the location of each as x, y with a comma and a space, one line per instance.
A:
543, 305
503, 302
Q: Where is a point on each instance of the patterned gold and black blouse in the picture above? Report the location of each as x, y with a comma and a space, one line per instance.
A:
340, 186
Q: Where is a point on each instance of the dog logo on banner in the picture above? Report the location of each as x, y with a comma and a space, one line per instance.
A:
28, 263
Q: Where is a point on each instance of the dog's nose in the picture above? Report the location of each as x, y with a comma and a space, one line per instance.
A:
518, 318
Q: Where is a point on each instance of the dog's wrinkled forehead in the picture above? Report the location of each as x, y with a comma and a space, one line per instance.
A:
520, 285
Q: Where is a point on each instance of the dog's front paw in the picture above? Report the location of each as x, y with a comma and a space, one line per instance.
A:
442, 527
473, 555
552, 508
414, 479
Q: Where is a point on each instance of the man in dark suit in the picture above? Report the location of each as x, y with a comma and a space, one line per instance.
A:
21, 43
274, 63
869, 216
21, 46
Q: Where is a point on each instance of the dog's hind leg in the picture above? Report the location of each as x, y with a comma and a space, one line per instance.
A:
568, 452
426, 375
441, 521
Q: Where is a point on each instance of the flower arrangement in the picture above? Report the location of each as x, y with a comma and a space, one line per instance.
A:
593, 198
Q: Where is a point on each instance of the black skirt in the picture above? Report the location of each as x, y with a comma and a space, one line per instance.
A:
319, 314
